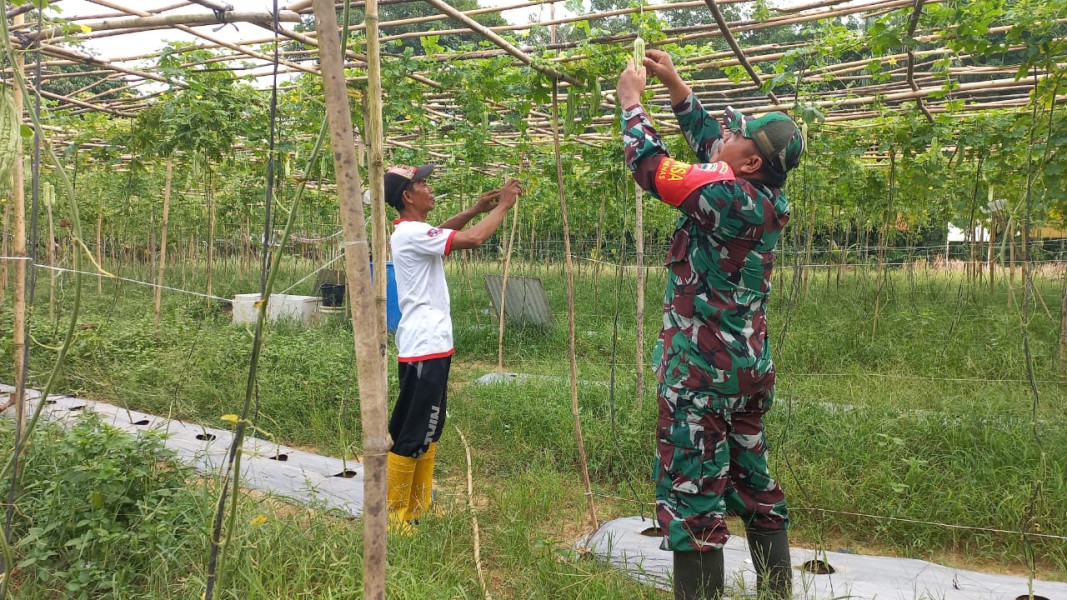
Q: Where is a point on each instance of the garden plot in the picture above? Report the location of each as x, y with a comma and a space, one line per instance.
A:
266, 466
626, 545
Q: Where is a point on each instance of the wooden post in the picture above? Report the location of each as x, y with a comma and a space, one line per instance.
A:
570, 309
639, 239
163, 243
370, 347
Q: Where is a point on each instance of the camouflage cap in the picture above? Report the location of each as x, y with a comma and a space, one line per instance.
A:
777, 137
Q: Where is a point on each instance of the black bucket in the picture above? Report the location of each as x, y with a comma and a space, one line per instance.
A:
333, 294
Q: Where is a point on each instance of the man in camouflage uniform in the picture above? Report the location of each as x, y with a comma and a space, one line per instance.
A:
712, 360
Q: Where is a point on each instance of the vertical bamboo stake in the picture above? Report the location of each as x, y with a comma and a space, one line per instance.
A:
99, 245
163, 243
596, 254
51, 261
4, 249
1063, 326
18, 196
151, 258
639, 235
504, 290
370, 348
992, 251
570, 307
806, 270
881, 276
210, 190
1011, 260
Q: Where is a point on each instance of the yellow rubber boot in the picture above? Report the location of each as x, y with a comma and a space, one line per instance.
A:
422, 483
401, 470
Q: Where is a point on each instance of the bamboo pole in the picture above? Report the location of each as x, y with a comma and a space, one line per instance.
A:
210, 193
570, 311
370, 348
51, 263
242, 48
1063, 326
639, 240
504, 290
174, 20
99, 246
5, 248
806, 270
724, 29
499, 41
376, 163
881, 277
163, 243
597, 254
1011, 260
991, 253
19, 251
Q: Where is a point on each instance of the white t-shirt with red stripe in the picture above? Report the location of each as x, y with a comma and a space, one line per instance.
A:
425, 329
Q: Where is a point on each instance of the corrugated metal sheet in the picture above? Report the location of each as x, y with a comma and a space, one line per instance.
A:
526, 301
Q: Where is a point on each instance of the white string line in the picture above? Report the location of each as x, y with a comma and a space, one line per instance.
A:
879, 517
787, 375
932, 523
309, 275
807, 266
15, 258
144, 283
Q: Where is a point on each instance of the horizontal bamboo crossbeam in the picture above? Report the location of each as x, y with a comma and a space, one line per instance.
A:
499, 41
165, 21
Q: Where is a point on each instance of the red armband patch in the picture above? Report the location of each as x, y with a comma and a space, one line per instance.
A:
676, 180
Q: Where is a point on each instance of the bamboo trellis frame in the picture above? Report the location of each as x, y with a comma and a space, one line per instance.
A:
897, 89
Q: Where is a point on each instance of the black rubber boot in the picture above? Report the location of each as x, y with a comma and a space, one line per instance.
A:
770, 555
698, 575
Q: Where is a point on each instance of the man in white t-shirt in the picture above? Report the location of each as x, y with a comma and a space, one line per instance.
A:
424, 336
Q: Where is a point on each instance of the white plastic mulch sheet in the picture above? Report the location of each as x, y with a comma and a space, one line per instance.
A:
856, 576
307, 478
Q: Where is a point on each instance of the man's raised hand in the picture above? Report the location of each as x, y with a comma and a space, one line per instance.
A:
487, 201
659, 63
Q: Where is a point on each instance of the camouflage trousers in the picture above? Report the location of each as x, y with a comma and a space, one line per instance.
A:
711, 460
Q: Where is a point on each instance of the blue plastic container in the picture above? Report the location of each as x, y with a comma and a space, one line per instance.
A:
392, 303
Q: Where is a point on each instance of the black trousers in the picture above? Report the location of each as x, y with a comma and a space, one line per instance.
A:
419, 415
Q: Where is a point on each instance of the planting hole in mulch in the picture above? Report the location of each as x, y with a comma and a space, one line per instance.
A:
818, 567
76, 408
347, 474
652, 532
280, 457
1029, 597
141, 422
206, 437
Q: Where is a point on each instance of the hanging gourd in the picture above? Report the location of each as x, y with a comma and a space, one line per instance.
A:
10, 136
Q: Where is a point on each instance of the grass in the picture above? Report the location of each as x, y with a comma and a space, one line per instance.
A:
928, 421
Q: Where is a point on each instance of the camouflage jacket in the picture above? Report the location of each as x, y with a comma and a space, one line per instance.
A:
714, 338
